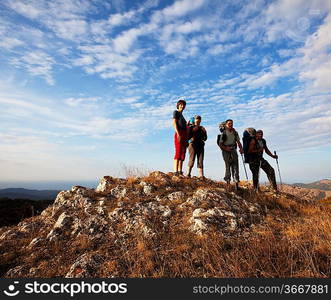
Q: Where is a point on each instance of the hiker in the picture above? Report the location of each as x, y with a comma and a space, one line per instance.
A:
229, 140
180, 138
197, 136
256, 161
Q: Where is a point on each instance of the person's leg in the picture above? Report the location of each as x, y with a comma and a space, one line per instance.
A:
183, 146
180, 166
254, 167
227, 160
176, 162
235, 166
200, 155
269, 170
191, 152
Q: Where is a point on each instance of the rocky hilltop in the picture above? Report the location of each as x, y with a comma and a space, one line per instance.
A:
162, 226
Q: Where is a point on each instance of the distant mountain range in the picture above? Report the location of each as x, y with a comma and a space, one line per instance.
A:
20, 193
324, 184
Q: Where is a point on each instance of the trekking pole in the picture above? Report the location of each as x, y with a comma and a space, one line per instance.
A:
280, 178
244, 166
258, 176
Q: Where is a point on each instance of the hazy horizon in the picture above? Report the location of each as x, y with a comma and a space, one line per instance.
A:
66, 185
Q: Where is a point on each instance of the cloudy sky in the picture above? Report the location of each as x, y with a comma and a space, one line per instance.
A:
88, 87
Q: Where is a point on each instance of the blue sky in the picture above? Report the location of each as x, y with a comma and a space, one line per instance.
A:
89, 86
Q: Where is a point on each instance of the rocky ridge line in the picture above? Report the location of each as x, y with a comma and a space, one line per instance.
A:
119, 209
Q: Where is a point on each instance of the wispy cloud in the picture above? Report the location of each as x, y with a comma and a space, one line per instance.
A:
36, 63
78, 101
111, 72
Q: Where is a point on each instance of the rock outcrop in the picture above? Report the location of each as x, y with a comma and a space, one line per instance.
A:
115, 213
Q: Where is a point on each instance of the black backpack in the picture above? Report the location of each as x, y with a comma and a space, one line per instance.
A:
248, 135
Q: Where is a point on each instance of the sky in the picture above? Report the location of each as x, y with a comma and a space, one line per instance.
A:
88, 87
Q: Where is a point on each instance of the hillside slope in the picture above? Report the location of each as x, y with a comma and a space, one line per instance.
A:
168, 226
324, 184
309, 194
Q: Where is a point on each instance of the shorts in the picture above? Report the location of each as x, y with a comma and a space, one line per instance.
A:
180, 146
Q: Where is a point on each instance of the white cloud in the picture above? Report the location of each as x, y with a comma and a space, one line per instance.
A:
69, 29
128, 100
37, 63
181, 8
121, 18
293, 19
78, 101
29, 9
103, 60
130, 16
221, 48
10, 43
316, 60
65, 18
189, 27
125, 40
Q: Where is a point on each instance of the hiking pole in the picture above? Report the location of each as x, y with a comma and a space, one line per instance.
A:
280, 178
244, 166
258, 176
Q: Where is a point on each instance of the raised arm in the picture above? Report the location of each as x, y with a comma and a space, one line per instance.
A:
269, 152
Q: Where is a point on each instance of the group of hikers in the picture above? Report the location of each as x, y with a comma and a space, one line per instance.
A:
192, 135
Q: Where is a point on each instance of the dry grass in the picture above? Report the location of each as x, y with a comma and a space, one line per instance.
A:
295, 246
131, 171
294, 240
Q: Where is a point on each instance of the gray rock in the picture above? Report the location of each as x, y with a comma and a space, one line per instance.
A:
83, 191
136, 217
202, 219
63, 221
106, 184
85, 266
119, 191
176, 196
148, 189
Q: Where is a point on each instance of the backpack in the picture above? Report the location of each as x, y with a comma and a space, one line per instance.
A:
221, 138
248, 135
